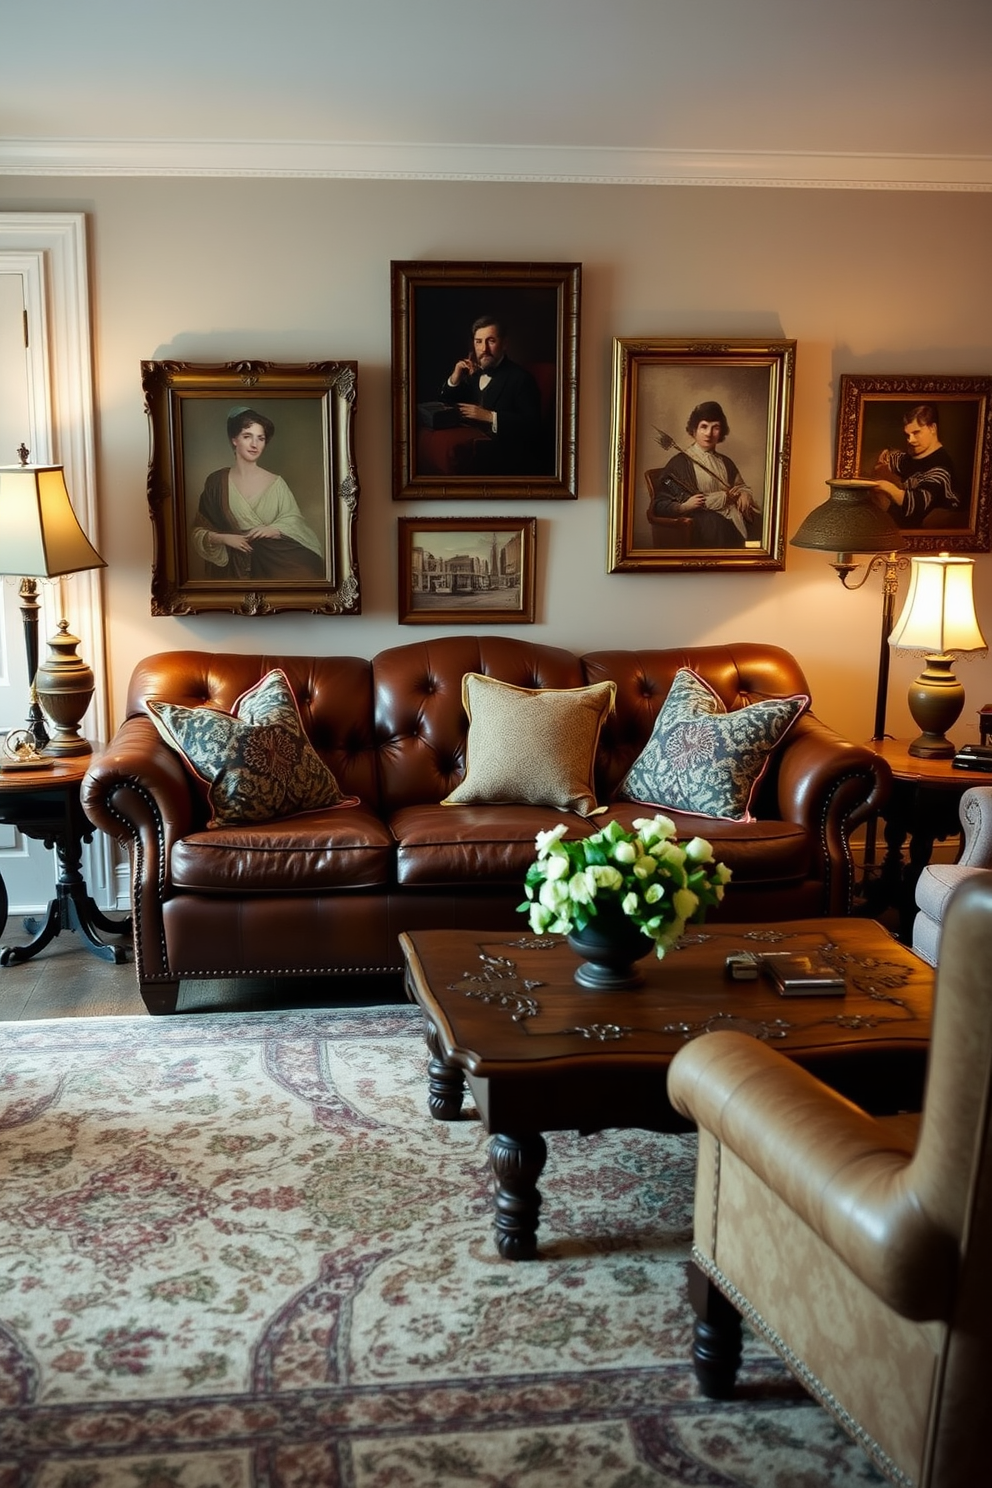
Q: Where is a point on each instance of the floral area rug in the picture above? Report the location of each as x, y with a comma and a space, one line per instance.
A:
236, 1250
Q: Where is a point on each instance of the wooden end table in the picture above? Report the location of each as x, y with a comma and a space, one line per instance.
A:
538, 1053
45, 804
923, 806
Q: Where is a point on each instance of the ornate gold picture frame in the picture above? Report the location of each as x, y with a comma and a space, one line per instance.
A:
522, 319
675, 504
928, 440
283, 432
467, 570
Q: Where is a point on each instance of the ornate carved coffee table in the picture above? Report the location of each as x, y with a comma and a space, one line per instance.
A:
538, 1053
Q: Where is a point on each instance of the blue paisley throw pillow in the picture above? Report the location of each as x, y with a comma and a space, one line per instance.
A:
256, 760
702, 759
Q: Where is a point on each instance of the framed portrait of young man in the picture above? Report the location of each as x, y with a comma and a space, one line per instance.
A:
927, 443
485, 379
700, 454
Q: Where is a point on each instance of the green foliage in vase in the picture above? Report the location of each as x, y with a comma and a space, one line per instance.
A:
659, 883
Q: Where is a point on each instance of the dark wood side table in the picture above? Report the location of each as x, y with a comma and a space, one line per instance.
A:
923, 807
44, 804
505, 1017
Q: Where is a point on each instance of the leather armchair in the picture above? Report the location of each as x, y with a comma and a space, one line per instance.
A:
938, 881
858, 1247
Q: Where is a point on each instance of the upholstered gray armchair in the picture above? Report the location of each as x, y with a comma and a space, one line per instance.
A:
936, 883
858, 1247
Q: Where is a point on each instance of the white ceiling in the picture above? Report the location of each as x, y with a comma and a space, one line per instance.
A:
810, 91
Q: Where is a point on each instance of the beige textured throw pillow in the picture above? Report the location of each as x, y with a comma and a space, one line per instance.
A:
531, 746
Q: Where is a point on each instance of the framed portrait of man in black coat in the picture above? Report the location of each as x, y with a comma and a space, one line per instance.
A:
485, 379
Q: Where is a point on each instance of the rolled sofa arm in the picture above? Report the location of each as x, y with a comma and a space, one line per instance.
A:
976, 824
830, 786
848, 1176
138, 791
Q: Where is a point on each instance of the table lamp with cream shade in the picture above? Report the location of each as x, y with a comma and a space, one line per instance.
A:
939, 622
40, 537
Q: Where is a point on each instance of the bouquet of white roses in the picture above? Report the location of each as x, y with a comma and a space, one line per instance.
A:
647, 875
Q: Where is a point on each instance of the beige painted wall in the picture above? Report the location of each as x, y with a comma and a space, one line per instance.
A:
213, 270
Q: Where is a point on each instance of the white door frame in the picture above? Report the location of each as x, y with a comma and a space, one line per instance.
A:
59, 238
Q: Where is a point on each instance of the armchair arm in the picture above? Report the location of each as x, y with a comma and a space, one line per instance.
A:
976, 824
846, 1175
138, 791
829, 786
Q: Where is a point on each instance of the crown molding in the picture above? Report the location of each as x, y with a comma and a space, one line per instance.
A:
566, 164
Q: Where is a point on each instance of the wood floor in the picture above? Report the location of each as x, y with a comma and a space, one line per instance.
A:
66, 981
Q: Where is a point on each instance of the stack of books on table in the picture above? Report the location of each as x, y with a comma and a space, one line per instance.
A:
974, 757
793, 974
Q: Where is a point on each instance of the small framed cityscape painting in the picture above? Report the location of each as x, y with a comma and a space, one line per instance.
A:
466, 570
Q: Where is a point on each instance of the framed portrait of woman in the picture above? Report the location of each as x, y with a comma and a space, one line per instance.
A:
252, 487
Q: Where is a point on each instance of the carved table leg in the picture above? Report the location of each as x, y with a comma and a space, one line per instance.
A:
517, 1164
445, 1084
716, 1337
72, 908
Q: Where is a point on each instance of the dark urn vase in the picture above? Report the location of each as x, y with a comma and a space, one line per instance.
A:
610, 944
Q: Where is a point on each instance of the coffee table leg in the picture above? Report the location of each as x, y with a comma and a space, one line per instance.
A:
517, 1163
445, 1084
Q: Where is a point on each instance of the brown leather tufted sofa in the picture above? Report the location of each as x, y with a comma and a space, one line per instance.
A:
330, 892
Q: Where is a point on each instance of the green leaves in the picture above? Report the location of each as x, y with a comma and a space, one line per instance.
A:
645, 874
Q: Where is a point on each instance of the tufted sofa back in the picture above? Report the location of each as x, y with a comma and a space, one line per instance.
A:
420, 724
393, 730
738, 674
334, 694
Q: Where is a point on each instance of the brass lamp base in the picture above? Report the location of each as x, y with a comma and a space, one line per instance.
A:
935, 701
65, 687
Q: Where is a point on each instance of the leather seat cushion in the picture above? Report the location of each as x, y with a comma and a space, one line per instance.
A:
439, 845
455, 844
344, 848
773, 852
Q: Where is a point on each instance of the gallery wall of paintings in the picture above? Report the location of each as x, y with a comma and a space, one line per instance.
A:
311, 282
700, 451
